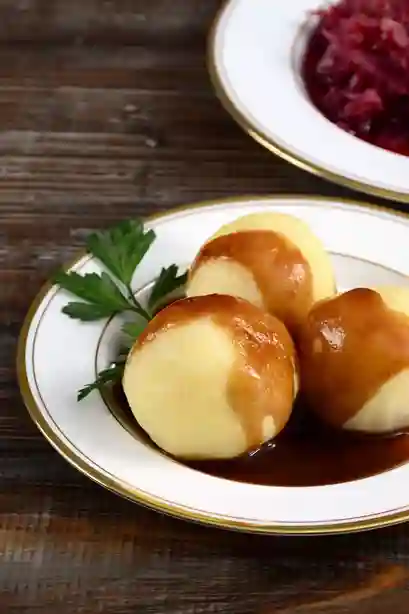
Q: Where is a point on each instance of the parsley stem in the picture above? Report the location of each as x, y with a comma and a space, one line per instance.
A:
137, 306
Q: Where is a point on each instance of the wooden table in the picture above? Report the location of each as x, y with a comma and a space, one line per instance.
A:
106, 112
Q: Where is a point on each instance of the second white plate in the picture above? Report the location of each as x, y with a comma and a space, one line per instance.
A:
254, 57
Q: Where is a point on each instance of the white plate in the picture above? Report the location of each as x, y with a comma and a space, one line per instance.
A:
254, 55
57, 356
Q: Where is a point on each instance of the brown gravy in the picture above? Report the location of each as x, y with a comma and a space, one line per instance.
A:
261, 383
349, 347
306, 453
282, 273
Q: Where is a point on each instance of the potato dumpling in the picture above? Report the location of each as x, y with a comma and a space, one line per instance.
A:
271, 259
354, 360
211, 377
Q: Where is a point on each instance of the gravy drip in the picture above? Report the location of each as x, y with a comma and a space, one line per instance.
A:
279, 268
261, 382
349, 347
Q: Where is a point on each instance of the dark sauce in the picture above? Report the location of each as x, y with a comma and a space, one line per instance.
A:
389, 131
306, 453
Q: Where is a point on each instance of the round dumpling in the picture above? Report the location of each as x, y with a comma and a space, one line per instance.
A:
211, 377
272, 260
354, 360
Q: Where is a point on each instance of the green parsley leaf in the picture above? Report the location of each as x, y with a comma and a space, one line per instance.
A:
134, 329
86, 311
168, 281
107, 376
98, 290
121, 248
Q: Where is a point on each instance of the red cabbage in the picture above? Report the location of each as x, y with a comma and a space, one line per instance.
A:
356, 69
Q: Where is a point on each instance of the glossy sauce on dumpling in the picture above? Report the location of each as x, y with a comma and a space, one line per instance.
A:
279, 268
262, 380
349, 348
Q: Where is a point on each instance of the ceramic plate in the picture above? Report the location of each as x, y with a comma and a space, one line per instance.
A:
254, 59
57, 356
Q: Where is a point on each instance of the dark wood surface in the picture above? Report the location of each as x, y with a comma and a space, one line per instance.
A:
106, 112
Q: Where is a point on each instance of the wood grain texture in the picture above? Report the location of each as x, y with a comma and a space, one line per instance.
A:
106, 112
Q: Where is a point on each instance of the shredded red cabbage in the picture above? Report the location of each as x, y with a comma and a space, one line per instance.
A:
356, 69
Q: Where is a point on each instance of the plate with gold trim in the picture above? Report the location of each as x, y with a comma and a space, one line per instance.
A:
255, 59
58, 355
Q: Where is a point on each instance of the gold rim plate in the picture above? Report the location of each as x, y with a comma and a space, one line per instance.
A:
105, 479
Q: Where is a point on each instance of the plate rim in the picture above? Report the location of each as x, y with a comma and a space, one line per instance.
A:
265, 140
127, 491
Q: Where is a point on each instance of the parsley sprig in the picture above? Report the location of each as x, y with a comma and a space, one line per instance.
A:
107, 376
120, 249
